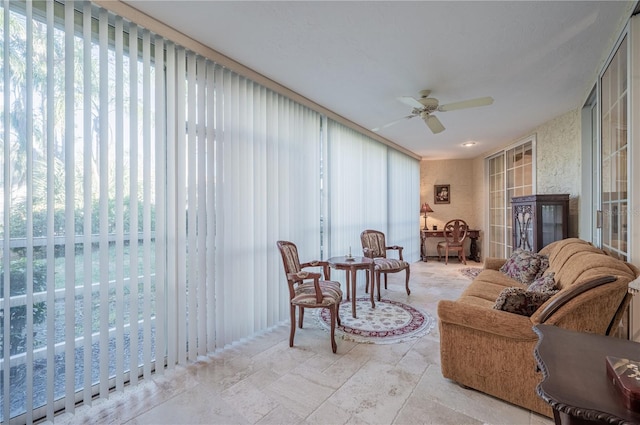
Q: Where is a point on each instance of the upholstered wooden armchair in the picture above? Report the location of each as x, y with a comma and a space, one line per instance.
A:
304, 293
374, 246
455, 232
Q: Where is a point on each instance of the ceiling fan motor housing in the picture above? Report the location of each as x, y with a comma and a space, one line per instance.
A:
430, 103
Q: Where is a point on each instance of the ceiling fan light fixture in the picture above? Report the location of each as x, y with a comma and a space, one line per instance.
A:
425, 106
468, 144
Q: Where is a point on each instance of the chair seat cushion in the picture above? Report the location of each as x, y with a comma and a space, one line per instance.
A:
306, 293
449, 245
389, 264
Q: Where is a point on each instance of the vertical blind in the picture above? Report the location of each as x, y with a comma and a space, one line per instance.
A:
79, 203
143, 190
370, 186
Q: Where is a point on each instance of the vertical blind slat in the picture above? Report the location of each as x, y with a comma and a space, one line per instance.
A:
30, 172
191, 254
69, 192
103, 143
181, 202
172, 247
88, 204
50, 122
210, 148
202, 173
119, 201
133, 204
6, 254
146, 219
161, 202
219, 288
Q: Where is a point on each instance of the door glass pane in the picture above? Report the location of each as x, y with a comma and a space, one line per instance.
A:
614, 154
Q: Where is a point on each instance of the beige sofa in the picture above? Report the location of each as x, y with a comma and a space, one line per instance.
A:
492, 350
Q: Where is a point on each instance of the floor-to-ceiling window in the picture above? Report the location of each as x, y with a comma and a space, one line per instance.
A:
78, 205
367, 181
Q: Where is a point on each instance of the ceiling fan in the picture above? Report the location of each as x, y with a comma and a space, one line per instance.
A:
426, 106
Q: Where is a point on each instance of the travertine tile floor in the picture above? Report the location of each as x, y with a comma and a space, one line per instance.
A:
263, 381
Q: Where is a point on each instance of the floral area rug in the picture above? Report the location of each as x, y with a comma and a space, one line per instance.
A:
389, 322
471, 272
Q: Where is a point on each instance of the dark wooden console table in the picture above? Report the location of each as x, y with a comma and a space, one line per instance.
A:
575, 381
473, 247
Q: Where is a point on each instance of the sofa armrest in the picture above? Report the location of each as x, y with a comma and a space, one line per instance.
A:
493, 263
497, 322
563, 297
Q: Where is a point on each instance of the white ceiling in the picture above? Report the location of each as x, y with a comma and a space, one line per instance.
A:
538, 60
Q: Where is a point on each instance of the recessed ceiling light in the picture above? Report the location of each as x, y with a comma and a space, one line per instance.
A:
467, 144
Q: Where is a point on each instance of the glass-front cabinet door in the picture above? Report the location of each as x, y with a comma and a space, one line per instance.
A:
539, 220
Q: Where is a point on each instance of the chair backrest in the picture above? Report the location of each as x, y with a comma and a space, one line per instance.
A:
373, 243
455, 232
290, 258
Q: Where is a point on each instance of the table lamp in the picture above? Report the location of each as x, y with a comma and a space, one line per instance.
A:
424, 210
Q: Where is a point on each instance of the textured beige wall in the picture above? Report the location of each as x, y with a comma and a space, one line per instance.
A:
558, 162
557, 167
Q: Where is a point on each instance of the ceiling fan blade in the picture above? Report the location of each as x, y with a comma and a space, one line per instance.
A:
434, 124
392, 123
408, 100
471, 103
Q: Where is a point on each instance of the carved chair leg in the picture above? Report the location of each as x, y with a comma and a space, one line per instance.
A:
407, 282
385, 280
293, 325
464, 259
378, 279
301, 318
338, 321
333, 309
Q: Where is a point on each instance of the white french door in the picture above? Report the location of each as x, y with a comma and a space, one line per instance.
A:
510, 173
614, 154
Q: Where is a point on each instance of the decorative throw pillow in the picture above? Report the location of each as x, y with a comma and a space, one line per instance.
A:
522, 266
544, 283
544, 265
520, 301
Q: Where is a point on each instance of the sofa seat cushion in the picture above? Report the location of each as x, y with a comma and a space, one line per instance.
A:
494, 277
486, 287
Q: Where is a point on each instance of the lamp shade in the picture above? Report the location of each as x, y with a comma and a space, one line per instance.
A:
425, 208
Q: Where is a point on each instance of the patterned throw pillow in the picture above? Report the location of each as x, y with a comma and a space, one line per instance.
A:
544, 265
520, 301
544, 283
522, 266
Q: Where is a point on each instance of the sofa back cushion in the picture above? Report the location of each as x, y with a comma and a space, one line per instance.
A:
575, 261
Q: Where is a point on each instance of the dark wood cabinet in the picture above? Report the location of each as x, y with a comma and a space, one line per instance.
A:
539, 220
